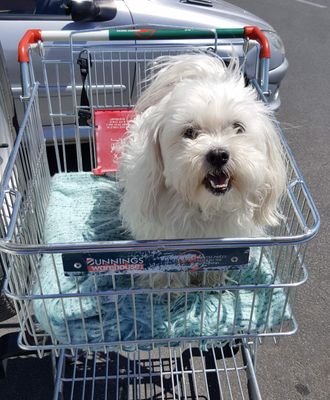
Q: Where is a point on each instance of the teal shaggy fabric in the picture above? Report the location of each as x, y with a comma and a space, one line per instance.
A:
85, 208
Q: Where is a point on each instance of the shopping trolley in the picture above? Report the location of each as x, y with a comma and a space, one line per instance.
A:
76, 295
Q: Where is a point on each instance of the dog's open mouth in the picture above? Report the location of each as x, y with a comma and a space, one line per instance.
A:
217, 182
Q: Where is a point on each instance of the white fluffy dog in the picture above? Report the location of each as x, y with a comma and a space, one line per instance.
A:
202, 158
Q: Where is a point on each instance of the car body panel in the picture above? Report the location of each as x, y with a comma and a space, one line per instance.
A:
128, 12
220, 15
10, 42
10, 45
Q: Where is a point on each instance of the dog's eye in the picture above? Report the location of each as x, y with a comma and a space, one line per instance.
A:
190, 133
239, 127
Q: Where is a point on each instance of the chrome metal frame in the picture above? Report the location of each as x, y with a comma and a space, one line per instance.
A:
24, 195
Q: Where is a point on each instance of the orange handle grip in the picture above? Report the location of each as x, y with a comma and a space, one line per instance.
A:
31, 36
253, 32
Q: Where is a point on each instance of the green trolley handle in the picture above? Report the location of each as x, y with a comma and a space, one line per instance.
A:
34, 36
248, 32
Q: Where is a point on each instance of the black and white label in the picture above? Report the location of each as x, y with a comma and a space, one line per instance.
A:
155, 261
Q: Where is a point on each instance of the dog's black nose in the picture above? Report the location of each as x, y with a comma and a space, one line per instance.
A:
217, 157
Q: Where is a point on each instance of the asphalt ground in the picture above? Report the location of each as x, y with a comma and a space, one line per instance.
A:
299, 367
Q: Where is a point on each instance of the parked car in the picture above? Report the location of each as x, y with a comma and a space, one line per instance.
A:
18, 16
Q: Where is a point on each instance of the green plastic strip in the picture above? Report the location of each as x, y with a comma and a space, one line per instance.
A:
163, 34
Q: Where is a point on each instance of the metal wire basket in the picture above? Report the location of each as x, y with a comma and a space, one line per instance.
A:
116, 73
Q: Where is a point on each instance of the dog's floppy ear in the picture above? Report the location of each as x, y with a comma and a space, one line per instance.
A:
141, 172
276, 179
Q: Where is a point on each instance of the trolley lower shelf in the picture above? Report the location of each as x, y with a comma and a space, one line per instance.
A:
166, 373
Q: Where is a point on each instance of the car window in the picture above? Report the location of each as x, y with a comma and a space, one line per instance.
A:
31, 7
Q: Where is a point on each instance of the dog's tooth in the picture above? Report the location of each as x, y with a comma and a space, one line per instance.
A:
218, 186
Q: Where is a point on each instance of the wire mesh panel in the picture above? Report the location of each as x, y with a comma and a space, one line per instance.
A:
174, 373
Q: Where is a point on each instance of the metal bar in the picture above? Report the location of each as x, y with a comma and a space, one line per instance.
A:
237, 372
255, 395
14, 214
142, 34
148, 291
128, 245
24, 344
172, 375
226, 374
58, 390
193, 370
25, 79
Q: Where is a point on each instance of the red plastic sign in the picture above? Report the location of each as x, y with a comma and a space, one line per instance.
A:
110, 127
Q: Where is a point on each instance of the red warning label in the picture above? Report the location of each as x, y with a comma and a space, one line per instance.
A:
110, 127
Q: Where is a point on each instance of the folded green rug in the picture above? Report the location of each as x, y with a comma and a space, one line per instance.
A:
83, 208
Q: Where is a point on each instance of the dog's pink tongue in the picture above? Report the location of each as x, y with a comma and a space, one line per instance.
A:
218, 179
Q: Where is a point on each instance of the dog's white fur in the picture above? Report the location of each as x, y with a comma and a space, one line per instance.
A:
162, 171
